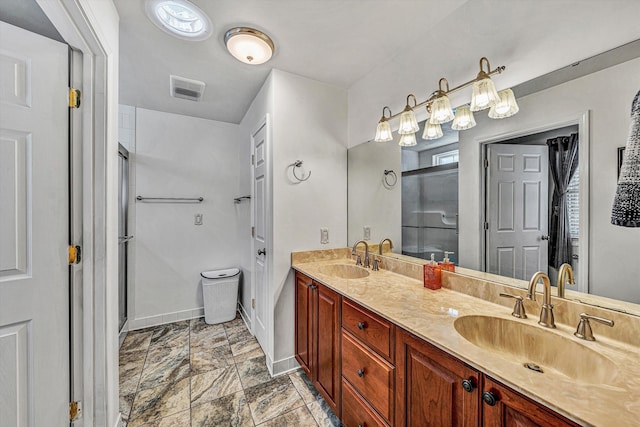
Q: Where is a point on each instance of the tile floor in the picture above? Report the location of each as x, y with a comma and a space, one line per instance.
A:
192, 374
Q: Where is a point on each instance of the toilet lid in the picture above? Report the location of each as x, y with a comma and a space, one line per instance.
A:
219, 274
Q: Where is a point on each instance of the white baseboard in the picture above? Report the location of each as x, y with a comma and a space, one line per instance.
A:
245, 316
161, 319
284, 366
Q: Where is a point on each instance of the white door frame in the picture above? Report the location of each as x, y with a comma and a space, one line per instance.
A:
265, 121
81, 23
582, 121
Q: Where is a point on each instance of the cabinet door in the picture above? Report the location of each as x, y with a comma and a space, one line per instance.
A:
304, 316
505, 407
430, 387
327, 345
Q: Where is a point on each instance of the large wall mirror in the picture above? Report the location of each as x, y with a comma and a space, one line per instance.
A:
455, 192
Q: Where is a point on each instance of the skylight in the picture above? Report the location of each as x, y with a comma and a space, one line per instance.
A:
179, 18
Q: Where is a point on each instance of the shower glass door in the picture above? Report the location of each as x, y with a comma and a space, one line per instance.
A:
123, 235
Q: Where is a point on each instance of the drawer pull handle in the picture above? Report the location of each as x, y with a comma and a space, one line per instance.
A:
489, 398
362, 325
468, 385
360, 373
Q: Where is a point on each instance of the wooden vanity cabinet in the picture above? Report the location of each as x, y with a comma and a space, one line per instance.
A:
317, 336
503, 406
432, 387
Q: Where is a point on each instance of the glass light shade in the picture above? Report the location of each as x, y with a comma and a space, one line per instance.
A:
484, 95
180, 18
506, 107
432, 131
383, 132
464, 119
407, 140
441, 111
408, 122
248, 45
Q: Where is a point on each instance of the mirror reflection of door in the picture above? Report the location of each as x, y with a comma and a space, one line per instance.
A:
522, 205
123, 236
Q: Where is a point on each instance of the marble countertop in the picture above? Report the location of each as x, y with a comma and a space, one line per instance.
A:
431, 315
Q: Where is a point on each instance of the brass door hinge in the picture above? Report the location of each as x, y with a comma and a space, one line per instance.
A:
253, 159
75, 254
74, 98
253, 232
253, 303
75, 409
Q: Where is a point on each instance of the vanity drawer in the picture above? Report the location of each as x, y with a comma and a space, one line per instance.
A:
369, 374
355, 411
368, 327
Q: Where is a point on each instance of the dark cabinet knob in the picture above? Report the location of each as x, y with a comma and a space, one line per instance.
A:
312, 286
361, 325
360, 373
489, 398
262, 251
468, 385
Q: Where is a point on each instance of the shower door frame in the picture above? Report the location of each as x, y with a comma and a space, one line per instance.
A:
123, 205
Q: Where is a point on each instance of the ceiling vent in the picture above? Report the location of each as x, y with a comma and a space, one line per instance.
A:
179, 87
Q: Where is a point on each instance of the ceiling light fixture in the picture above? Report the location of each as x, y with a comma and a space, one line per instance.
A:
438, 105
179, 18
249, 45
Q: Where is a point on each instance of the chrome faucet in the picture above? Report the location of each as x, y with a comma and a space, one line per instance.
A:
565, 275
366, 252
382, 242
546, 313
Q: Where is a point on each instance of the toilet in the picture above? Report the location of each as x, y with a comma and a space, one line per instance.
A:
220, 294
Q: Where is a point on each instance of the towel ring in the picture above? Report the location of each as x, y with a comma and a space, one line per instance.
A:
394, 178
294, 166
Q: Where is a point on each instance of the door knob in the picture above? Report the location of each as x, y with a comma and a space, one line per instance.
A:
262, 251
544, 237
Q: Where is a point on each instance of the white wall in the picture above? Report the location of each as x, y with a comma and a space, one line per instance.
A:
370, 202
180, 156
309, 124
607, 95
452, 47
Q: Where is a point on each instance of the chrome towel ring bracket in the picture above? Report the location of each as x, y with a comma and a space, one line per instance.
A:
390, 178
295, 165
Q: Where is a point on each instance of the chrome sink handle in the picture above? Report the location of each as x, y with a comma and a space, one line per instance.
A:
583, 331
518, 308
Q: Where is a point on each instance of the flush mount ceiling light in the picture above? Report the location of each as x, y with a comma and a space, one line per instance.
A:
438, 105
179, 18
249, 45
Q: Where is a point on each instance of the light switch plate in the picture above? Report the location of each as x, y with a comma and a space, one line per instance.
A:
324, 236
198, 219
367, 232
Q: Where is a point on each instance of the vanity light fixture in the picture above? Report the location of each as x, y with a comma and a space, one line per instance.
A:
441, 111
506, 107
408, 122
432, 131
407, 140
249, 45
383, 131
464, 118
484, 91
438, 105
179, 18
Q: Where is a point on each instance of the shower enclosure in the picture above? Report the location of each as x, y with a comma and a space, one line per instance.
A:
430, 211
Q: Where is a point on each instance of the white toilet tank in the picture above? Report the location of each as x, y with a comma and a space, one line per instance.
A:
220, 294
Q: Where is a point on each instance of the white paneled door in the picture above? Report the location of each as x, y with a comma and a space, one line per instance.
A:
517, 210
260, 320
34, 224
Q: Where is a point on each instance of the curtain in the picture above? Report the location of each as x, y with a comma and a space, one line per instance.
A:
563, 162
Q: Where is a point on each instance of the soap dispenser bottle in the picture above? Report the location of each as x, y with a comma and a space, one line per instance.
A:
432, 274
446, 264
